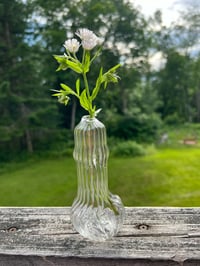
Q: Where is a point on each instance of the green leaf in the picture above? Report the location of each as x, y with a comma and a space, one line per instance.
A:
105, 85
84, 100
62, 67
78, 86
74, 66
67, 89
60, 58
66, 63
86, 64
62, 61
62, 97
98, 84
56, 94
110, 76
113, 69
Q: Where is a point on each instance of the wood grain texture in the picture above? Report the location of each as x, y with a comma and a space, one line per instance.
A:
149, 236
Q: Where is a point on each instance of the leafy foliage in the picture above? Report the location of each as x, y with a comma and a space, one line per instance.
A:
26, 109
176, 87
141, 129
128, 149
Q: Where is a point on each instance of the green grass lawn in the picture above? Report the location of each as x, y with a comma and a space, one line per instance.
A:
168, 177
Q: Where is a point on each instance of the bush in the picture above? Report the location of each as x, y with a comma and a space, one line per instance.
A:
143, 128
45, 143
128, 149
173, 120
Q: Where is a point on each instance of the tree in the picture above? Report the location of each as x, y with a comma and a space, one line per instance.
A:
196, 89
173, 84
189, 29
24, 105
178, 81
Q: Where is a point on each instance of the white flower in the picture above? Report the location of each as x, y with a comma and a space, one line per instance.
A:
72, 45
89, 39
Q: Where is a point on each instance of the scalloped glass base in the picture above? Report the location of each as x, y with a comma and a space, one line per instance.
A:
98, 223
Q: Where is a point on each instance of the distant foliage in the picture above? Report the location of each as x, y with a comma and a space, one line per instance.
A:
141, 129
128, 149
173, 120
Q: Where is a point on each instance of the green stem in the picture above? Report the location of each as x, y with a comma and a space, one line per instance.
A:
85, 76
91, 112
83, 56
86, 85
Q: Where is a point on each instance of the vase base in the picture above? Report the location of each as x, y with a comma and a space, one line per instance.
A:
96, 223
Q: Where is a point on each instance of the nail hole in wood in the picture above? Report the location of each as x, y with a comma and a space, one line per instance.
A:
12, 229
143, 226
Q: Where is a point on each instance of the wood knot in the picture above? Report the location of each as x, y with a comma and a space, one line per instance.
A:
12, 229
143, 226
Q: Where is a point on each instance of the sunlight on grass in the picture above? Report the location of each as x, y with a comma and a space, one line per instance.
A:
165, 178
46, 182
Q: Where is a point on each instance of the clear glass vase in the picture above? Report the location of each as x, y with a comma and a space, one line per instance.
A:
96, 213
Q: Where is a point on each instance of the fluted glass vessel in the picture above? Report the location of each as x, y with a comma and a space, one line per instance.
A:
96, 213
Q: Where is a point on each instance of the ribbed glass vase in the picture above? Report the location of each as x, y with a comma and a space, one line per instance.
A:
96, 213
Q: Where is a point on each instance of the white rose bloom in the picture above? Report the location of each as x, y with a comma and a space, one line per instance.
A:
89, 39
72, 45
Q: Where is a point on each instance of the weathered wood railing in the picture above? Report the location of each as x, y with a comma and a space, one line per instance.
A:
149, 236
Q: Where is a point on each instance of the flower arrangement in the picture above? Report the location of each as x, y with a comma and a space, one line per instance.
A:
86, 96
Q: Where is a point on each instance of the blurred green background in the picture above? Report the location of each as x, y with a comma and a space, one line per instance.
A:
152, 115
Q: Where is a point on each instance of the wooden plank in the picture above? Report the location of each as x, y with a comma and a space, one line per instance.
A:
57, 261
149, 236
